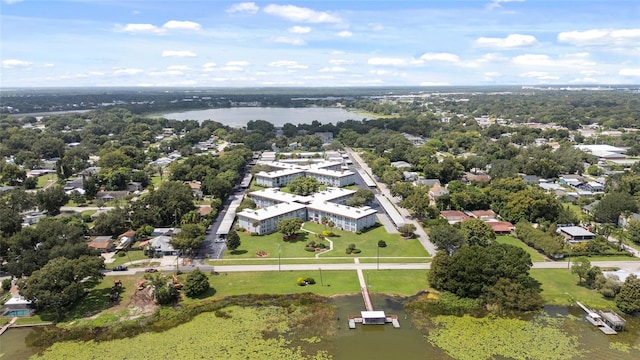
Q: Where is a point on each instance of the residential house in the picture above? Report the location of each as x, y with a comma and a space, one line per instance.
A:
111, 195
501, 227
134, 186
421, 181
575, 233
126, 239
587, 209
436, 192
454, 216
484, 215
471, 177
196, 188
103, 244
624, 219
401, 164
162, 247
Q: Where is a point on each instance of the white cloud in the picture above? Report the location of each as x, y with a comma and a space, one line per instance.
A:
129, 71
388, 61
96, 73
300, 30
344, 34
289, 64
333, 69
434, 83
142, 28
249, 7
182, 25
300, 14
446, 57
152, 29
238, 63
378, 72
567, 60
209, 65
167, 73
288, 40
376, 27
48, 65
340, 62
178, 68
231, 68
629, 37
591, 72
15, 63
494, 4
510, 42
540, 75
585, 80
629, 72
178, 53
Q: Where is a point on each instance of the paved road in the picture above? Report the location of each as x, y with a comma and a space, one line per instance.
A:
624, 265
421, 235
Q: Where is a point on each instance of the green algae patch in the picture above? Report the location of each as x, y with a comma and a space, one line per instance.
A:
232, 333
469, 338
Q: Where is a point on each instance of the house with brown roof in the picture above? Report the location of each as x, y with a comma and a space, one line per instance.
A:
454, 216
126, 239
471, 177
103, 244
196, 188
484, 215
501, 227
437, 191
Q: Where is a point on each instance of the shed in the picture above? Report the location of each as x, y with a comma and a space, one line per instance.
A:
614, 320
576, 233
373, 317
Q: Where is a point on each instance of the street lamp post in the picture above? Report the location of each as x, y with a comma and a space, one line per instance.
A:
321, 282
378, 252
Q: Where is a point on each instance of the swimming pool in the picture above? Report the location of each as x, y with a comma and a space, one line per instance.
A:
22, 312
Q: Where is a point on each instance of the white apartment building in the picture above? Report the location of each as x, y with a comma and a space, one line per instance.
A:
332, 177
277, 178
265, 221
344, 217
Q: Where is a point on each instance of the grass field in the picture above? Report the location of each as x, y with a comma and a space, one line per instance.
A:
129, 256
560, 287
535, 256
44, 180
367, 242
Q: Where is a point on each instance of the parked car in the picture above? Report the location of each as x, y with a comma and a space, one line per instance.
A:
150, 270
120, 268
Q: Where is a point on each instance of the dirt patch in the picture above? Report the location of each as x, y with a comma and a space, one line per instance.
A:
262, 254
141, 303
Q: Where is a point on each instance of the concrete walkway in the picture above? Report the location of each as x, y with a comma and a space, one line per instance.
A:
421, 235
8, 325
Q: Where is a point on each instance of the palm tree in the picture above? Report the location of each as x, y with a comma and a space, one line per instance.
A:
324, 220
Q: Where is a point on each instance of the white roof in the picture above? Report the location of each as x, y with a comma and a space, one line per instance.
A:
271, 211
331, 193
277, 195
372, 314
279, 173
331, 173
342, 210
576, 231
17, 301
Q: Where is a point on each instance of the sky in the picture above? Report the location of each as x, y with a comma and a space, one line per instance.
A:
151, 43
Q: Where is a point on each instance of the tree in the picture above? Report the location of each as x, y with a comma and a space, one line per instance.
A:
303, 185
439, 273
407, 230
446, 237
113, 222
233, 240
628, 299
477, 232
197, 283
52, 199
12, 175
289, 227
361, 197
581, 266
509, 295
11, 220
189, 238
612, 205
62, 282
633, 230
164, 292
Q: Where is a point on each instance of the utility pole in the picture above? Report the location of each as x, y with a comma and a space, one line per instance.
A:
278, 257
321, 282
378, 252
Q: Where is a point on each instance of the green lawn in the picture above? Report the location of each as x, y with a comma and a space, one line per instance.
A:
44, 180
131, 255
535, 256
274, 261
607, 258
367, 242
560, 287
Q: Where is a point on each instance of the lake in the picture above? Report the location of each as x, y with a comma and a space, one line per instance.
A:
408, 342
240, 116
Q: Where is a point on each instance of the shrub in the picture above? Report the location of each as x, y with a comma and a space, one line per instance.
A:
328, 234
356, 251
309, 249
382, 243
352, 246
6, 284
121, 254
358, 232
348, 251
311, 244
304, 281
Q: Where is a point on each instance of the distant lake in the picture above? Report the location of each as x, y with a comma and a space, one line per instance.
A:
240, 116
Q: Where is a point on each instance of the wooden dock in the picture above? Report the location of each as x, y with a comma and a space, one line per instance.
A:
596, 320
8, 325
370, 316
368, 304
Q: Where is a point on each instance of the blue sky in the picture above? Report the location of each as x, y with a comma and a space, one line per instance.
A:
45, 43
